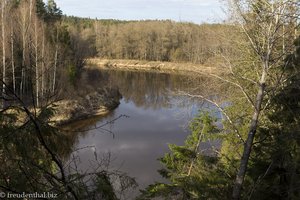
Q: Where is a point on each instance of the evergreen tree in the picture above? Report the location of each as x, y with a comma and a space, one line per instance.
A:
53, 12
194, 173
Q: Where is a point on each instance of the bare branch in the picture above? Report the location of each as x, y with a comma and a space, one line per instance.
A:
220, 108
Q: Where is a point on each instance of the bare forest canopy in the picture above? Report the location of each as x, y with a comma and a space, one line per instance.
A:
155, 40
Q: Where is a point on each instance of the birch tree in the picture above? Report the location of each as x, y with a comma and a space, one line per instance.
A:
3, 7
263, 24
36, 62
12, 56
25, 15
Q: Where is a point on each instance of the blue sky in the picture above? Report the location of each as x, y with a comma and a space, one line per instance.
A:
196, 11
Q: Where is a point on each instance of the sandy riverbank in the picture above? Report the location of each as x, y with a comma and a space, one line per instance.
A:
153, 65
98, 103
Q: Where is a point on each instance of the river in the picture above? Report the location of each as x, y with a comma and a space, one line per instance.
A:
154, 115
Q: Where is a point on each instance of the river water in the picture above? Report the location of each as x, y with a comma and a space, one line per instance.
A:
154, 115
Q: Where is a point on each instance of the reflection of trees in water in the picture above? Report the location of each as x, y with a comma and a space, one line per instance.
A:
151, 89
35, 159
148, 90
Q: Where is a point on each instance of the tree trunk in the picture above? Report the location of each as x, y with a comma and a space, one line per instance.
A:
30, 11
12, 58
283, 40
55, 66
196, 151
23, 71
3, 51
23, 62
237, 188
36, 64
24, 34
55, 63
43, 62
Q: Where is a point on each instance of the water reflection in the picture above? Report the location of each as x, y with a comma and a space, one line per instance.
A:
157, 117
151, 89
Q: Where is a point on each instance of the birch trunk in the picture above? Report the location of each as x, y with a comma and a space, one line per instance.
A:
23, 70
43, 63
23, 64
249, 142
12, 58
36, 64
3, 50
55, 63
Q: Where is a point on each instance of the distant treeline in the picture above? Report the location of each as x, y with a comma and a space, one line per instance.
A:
155, 40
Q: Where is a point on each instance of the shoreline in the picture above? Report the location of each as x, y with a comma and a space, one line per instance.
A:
99, 103
102, 102
142, 65
67, 111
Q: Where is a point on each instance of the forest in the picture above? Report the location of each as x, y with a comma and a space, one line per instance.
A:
37, 50
155, 40
43, 59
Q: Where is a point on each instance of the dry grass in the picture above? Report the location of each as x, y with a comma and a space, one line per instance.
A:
168, 67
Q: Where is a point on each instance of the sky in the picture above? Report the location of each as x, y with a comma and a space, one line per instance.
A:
196, 11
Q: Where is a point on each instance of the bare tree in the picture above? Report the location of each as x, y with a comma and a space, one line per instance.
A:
263, 24
37, 74
24, 32
55, 63
3, 4
12, 56
43, 63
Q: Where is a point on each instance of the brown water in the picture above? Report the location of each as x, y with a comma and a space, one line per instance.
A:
157, 116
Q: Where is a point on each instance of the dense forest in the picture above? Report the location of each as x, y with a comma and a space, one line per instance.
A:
155, 40
38, 51
43, 54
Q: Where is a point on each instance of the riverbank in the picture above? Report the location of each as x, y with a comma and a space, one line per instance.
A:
98, 103
168, 67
